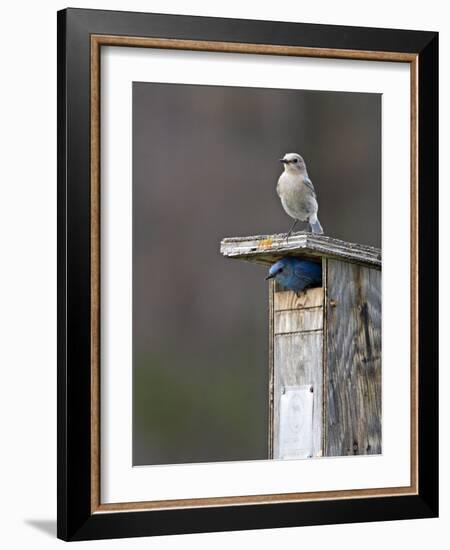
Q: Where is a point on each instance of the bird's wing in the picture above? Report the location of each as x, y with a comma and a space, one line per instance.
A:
278, 187
309, 184
309, 272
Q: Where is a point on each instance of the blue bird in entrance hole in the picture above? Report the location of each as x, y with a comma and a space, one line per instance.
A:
296, 274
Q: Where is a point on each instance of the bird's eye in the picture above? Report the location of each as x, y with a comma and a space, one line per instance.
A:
295, 160
280, 270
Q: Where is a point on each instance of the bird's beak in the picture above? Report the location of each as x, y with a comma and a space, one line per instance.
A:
284, 161
270, 276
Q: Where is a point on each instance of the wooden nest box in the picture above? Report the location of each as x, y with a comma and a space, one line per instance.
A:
325, 347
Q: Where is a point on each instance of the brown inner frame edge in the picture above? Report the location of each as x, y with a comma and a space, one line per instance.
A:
106, 40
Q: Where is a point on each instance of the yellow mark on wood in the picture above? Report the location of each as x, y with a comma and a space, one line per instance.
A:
266, 243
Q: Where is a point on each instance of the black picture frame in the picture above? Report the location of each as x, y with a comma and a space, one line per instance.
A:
75, 518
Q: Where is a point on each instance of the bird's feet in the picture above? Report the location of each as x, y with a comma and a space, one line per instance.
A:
288, 234
302, 292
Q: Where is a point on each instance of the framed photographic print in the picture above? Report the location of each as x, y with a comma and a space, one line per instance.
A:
247, 256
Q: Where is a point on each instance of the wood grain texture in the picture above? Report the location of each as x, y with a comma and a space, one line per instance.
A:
248, 48
353, 360
95, 278
291, 300
414, 271
297, 356
290, 321
267, 249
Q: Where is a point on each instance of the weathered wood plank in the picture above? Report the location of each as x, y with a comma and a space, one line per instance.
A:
291, 300
286, 322
267, 249
353, 360
298, 357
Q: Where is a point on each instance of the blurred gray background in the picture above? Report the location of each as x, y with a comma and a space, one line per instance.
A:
204, 168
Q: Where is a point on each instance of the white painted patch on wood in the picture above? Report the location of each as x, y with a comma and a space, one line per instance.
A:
296, 422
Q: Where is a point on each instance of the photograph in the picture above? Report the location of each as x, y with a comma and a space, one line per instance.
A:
244, 360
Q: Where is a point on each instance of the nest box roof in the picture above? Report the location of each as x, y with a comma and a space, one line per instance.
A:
267, 249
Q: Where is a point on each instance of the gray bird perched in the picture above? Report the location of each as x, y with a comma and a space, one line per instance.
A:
297, 193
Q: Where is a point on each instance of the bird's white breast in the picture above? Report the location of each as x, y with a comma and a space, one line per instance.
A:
297, 199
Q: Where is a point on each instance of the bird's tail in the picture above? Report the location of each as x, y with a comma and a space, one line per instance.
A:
316, 227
